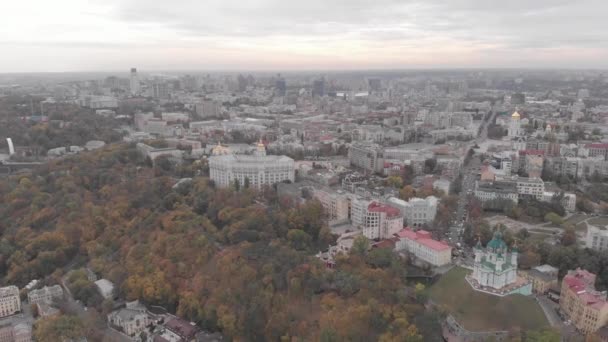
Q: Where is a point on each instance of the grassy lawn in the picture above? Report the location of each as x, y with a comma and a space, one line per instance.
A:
577, 218
477, 311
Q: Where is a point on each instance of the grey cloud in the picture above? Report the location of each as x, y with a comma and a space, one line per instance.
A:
513, 23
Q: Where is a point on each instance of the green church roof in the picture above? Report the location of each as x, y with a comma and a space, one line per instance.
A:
497, 242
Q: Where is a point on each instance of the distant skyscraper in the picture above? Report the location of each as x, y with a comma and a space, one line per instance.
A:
318, 88
161, 90
134, 82
242, 83
280, 86
375, 84
189, 82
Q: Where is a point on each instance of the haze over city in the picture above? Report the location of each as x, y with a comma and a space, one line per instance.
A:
72, 35
324, 171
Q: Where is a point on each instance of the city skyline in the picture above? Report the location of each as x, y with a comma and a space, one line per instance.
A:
70, 35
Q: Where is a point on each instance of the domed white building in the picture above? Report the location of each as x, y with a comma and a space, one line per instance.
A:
495, 269
515, 129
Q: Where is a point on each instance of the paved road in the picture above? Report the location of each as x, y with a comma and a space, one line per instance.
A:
469, 172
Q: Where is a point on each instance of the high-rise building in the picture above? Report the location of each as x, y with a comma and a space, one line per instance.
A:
208, 109
134, 82
318, 88
242, 81
375, 84
280, 86
160, 90
367, 156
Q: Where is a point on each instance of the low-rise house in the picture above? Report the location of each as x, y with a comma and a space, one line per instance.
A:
45, 295
424, 247
130, 321
46, 310
541, 281
106, 288
182, 329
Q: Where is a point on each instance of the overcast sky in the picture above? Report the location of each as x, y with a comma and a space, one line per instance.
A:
113, 35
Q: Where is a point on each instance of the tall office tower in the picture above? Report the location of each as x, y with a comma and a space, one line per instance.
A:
280, 86
318, 88
160, 90
134, 82
242, 81
375, 85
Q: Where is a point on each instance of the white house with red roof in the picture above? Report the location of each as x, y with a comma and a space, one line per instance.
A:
424, 247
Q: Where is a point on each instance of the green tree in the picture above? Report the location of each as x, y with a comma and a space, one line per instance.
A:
554, 218
394, 181
360, 246
298, 239
58, 328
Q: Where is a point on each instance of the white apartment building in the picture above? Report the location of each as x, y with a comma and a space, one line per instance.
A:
423, 247
208, 109
259, 169
597, 238
366, 156
134, 86
45, 294
358, 210
382, 221
568, 201
494, 190
10, 303
530, 187
417, 211
335, 204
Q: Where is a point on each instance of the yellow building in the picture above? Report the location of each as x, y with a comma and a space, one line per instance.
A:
541, 281
582, 304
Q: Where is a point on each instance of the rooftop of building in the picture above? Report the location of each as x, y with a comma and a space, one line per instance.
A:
582, 283
542, 275
251, 158
424, 238
597, 145
531, 152
499, 186
127, 314
376, 207
182, 327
